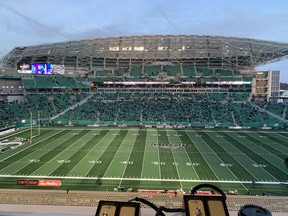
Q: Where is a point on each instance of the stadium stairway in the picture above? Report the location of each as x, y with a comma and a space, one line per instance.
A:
284, 113
233, 117
280, 119
72, 107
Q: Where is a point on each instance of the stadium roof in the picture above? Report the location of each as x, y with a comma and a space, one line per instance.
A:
203, 51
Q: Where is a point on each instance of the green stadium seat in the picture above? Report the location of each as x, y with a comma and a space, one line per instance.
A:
172, 70
188, 70
29, 83
151, 70
136, 71
45, 82
105, 73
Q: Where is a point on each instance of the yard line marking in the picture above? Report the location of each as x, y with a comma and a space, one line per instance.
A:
190, 162
232, 180
155, 154
272, 144
169, 140
247, 145
145, 151
228, 165
203, 142
28, 146
248, 158
123, 141
127, 135
159, 156
104, 149
74, 150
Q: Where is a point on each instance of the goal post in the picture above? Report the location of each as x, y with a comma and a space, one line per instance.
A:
32, 124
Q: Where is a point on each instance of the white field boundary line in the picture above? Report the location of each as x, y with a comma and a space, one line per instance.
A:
136, 179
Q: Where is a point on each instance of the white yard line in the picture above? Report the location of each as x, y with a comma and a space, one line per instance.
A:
189, 158
73, 143
28, 146
108, 143
86, 153
144, 156
159, 160
249, 147
191, 138
228, 167
172, 152
127, 157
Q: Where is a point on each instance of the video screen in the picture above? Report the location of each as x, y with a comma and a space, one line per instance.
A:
24, 69
41, 69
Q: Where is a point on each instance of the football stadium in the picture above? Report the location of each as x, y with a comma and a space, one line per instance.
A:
148, 116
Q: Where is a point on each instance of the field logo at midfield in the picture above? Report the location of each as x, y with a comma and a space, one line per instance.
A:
169, 145
11, 143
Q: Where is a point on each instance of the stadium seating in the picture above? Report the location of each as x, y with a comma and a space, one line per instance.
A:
152, 70
67, 82
29, 83
97, 79
247, 78
51, 104
236, 73
172, 70
45, 82
54, 82
10, 113
222, 109
277, 109
105, 73
188, 70
205, 71
136, 71
121, 71
224, 72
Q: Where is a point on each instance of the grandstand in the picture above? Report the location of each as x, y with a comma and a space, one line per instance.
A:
188, 80
165, 82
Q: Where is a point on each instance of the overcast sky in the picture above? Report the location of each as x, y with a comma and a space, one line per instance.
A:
30, 22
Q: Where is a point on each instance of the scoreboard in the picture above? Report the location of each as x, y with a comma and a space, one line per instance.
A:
41, 69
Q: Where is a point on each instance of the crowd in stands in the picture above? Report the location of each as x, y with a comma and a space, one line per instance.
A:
221, 109
168, 72
10, 113
48, 105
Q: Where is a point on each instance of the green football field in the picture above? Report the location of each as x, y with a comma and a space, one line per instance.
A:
107, 158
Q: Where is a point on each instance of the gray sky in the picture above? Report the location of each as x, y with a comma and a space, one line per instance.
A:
30, 22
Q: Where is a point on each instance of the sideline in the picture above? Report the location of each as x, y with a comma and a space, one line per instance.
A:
141, 179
